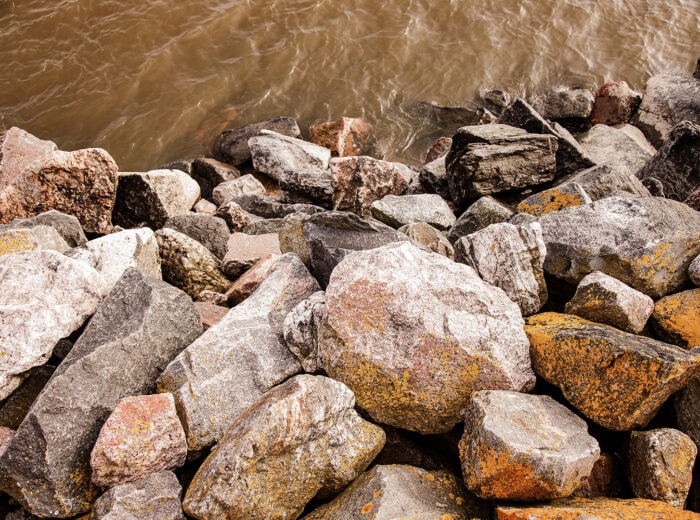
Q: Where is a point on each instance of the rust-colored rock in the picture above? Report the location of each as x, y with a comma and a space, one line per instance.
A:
595, 509
676, 318
211, 313
615, 104
605, 479
345, 136
249, 281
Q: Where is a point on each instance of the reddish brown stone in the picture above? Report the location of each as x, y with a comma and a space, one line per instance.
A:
605, 479
439, 148
615, 103
211, 314
693, 200
345, 136
249, 281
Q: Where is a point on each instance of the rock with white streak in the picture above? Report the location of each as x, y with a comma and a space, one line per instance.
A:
301, 327
611, 146
400, 210
302, 438
240, 187
273, 154
606, 180
28, 239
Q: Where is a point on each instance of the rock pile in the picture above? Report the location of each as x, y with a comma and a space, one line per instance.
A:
510, 331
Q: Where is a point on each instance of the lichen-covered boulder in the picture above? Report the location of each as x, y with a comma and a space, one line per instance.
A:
15, 240
554, 199
676, 318
68, 226
594, 508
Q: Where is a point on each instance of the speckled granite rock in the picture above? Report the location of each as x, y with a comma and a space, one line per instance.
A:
67, 226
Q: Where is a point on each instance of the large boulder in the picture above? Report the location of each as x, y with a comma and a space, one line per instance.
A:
553, 199
232, 145
567, 105
137, 330
614, 147
602, 181
303, 437
36, 177
44, 296
400, 210
273, 154
413, 334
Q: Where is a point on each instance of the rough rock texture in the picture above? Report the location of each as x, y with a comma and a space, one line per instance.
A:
524, 447
345, 136
142, 435
153, 197
235, 216
428, 236
511, 258
669, 98
234, 362
67, 226
274, 153
400, 210
29, 239
36, 177
204, 207
209, 173
44, 296
438, 149
611, 146
606, 180
488, 159
154, 497
646, 243
270, 207
564, 103
212, 232
482, 213
694, 271
687, 411
6, 435
677, 163
596, 508
188, 265
660, 465
301, 328
605, 479
554, 199
302, 437
232, 145
400, 491
676, 318
693, 200
604, 299
307, 186
617, 379
615, 104
210, 313
141, 325
250, 280
113, 254
413, 334
240, 187
16, 406
243, 251
433, 176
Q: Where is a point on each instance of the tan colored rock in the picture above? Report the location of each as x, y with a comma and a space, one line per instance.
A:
204, 207
6, 435
611, 146
243, 251
594, 509
400, 210
427, 235
344, 137
554, 199
240, 187
28, 239
677, 318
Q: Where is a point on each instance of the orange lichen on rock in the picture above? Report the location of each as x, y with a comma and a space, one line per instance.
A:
553, 199
677, 318
598, 508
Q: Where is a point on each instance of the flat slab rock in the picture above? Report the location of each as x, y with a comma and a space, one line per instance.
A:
302, 437
275, 153
598, 508
400, 210
232, 145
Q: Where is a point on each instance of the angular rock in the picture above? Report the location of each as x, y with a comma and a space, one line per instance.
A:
274, 153
154, 497
606, 180
301, 328
611, 146
400, 210
669, 98
489, 159
212, 232
677, 163
687, 412
36, 177
246, 284
568, 195
240, 187
433, 177
343, 137
209, 173
413, 334
428, 236
694, 271
660, 465
676, 318
141, 325
210, 313
153, 197
438, 149
232, 145
524, 447
67, 226
6, 435
16, 406
307, 186
211, 297
604, 299
113, 254
565, 104
30, 239
511, 258
234, 362
188, 265
235, 216
204, 207
615, 104
142, 435
596, 508
646, 243
616, 379
243, 251
693, 200
302, 437
270, 207
604, 480
44, 296
400, 491
481, 214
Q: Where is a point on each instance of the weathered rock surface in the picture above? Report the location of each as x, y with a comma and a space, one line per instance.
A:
141, 325
608, 145
524, 447
677, 163
233, 363
188, 265
615, 104
616, 379
676, 318
604, 299
232, 145
687, 412
66, 225
605, 180
204, 207
568, 195
235, 216
211, 313
212, 232
413, 334
307, 186
400, 491
29, 239
428, 236
511, 258
433, 177
564, 104
301, 328
605, 479
302, 437
646, 243
250, 280
36, 177
275, 153
489, 159
345, 136
694, 271
16, 406
400, 210
438, 149
44, 296
240, 187
596, 508
209, 173
151, 198
154, 497
481, 214
243, 251
270, 207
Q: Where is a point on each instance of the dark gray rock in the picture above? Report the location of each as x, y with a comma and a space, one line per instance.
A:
312, 186
265, 226
269, 207
571, 106
15, 407
687, 411
67, 226
232, 145
274, 153
482, 213
615, 147
605, 180
212, 232
137, 330
209, 173
400, 210
433, 177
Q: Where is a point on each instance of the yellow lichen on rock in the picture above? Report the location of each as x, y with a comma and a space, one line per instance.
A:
598, 508
677, 318
550, 200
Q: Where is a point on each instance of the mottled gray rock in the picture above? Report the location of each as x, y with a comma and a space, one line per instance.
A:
301, 328
265, 226
68, 226
232, 145
660, 465
604, 299
428, 236
240, 187
15, 240
303, 437
209, 173
677, 163
400, 210
557, 198
694, 271
235, 216
482, 213
606, 180
16, 406
646, 243
399, 491
153, 197
154, 497
615, 104
510, 257
274, 153
137, 330
609, 145
235, 361
188, 265
564, 104
243, 251
307, 186
433, 177
669, 98
524, 447
212, 232
270, 207
413, 333
44, 296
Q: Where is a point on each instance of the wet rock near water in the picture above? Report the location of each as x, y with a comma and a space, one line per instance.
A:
232, 145
615, 104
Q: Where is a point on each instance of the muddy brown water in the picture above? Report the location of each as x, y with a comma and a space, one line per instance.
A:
153, 81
